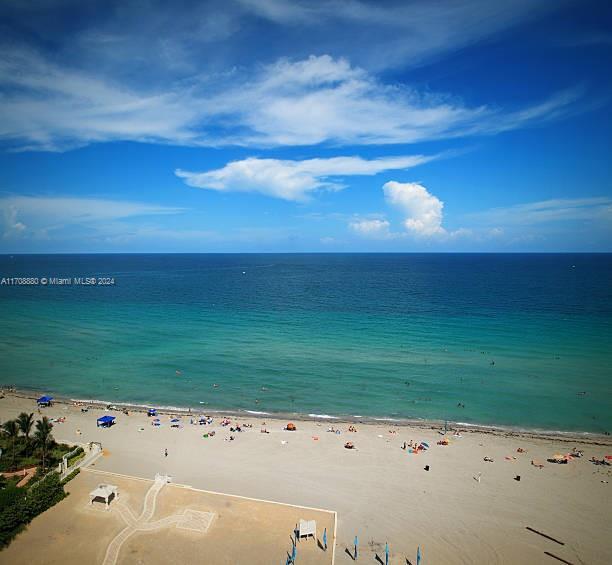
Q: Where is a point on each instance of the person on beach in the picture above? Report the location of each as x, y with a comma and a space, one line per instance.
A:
165, 453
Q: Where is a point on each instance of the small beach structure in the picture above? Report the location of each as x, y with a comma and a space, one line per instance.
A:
105, 421
151, 412
44, 401
175, 423
105, 492
156, 422
307, 528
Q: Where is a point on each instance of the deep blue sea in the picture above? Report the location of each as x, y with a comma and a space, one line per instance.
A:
501, 339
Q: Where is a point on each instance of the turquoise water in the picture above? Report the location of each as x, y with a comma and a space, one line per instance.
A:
513, 339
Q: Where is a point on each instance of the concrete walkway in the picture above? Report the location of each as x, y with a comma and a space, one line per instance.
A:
140, 523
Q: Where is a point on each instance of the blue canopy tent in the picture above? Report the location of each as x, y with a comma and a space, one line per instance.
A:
44, 401
152, 412
105, 421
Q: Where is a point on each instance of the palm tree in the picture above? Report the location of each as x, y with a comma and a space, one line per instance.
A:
25, 422
11, 429
43, 436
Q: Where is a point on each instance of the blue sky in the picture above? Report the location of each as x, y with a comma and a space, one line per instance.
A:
272, 125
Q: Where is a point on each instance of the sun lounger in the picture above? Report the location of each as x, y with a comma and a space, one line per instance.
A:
307, 528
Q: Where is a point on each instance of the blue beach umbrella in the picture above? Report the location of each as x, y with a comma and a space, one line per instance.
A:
418, 555
325, 538
387, 553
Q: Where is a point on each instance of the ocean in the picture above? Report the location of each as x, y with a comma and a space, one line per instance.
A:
521, 340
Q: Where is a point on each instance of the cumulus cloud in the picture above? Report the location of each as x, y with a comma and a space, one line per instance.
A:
423, 210
293, 180
48, 106
372, 228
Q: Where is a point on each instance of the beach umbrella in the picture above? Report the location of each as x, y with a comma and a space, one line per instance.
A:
356, 546
424, 444
387, 553
174, 420
325, 538
418, 555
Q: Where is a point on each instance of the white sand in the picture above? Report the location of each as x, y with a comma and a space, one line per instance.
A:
381, 493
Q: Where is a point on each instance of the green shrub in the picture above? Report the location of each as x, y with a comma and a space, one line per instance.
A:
71, 476
77, 457
24, 504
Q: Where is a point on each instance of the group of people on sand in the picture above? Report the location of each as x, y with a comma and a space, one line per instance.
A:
411, 445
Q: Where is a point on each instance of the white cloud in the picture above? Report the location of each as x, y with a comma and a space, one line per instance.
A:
422, 216
163, 41
326, 100
293, 180
32, 216
423, 210
316, 100
372, 228
549, 211
12, 226
399, 33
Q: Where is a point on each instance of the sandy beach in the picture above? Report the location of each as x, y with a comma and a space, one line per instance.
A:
381, 492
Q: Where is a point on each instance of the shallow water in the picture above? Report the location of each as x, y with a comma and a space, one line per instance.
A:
512, 339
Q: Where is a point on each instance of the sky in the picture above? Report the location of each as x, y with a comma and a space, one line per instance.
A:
290, 126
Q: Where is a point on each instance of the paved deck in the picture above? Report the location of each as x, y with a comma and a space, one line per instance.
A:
156, 522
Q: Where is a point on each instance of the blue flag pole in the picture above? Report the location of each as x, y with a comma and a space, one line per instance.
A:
418, 555
325, 538
356, 546
386, 553
293, 554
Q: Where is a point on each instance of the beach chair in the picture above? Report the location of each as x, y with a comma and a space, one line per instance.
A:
307, 528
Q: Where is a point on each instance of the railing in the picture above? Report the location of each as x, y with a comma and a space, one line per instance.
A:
91, 451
